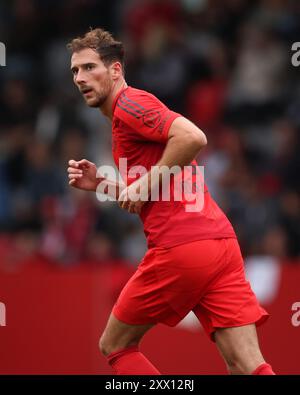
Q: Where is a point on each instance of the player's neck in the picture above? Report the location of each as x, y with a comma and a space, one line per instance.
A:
106, 108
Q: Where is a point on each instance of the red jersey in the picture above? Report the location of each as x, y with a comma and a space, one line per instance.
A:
140, 129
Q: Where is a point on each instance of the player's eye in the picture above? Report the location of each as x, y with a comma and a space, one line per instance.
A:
89, 67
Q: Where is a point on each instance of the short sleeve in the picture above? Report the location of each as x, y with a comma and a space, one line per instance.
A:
145, 114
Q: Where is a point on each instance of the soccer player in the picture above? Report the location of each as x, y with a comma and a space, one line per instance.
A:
193, 262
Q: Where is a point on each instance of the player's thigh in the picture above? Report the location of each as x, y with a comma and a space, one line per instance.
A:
118, 335
239, 347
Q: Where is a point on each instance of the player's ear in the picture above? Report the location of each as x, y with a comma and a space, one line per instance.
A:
116, 70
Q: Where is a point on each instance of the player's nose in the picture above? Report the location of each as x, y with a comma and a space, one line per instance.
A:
79, 78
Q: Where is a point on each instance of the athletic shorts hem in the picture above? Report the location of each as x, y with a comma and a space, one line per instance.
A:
123, 316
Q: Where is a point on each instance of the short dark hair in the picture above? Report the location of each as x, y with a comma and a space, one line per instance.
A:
103, 43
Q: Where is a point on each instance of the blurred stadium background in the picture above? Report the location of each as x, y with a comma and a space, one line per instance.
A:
63, 255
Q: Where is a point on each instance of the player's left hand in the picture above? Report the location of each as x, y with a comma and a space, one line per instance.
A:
130, 198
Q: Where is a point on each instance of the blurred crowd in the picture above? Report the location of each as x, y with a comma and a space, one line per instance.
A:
226, 65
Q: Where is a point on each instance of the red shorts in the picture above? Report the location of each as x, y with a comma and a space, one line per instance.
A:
206, 277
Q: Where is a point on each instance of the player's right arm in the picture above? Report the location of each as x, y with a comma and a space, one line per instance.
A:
83, 175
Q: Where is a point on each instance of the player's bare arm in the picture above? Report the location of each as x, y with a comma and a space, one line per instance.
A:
185, 140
